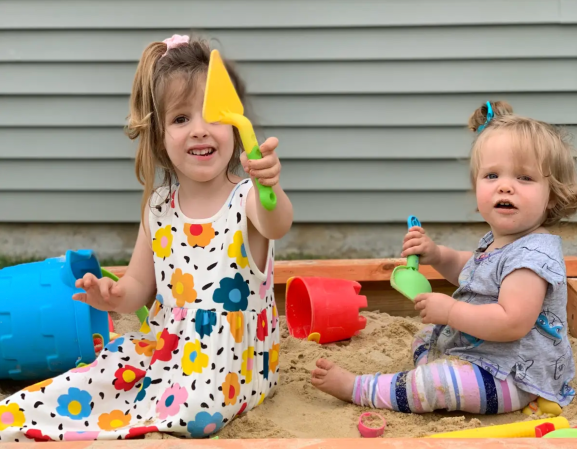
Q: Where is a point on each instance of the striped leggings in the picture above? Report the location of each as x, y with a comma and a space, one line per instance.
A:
439, 384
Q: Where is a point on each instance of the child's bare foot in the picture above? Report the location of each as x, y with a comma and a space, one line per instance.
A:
333, 380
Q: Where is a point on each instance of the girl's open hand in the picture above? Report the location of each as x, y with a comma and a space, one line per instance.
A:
434, 307
267, 169
102, 294
419, 243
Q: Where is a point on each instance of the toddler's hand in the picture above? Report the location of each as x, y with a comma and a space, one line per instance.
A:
435, 307
419, 243
102, 294
267, 169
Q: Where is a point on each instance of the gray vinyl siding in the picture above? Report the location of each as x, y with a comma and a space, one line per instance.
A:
369, 99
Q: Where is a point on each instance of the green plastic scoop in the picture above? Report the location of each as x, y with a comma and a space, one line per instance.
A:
406, 279
141, 313
562, 433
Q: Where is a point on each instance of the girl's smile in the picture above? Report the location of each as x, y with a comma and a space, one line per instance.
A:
202, 152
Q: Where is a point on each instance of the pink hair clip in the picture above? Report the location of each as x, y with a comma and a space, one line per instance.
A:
175, 41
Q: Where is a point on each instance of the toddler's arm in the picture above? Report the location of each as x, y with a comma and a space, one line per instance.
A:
520, 301
451, 263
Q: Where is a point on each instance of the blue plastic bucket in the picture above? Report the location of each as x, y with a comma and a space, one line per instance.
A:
43, 332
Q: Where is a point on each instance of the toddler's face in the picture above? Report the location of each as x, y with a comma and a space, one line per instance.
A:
198, 150
512, 195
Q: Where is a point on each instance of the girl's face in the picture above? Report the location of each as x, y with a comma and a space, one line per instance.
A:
512, 195
198, 150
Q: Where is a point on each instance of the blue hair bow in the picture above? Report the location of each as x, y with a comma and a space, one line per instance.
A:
490, 116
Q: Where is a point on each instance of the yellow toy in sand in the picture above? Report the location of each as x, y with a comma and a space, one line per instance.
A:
222, 104
515, 430
543, 407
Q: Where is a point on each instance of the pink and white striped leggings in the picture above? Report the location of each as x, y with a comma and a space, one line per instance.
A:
439, 384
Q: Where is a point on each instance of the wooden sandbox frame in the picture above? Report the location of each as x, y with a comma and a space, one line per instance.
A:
374, 276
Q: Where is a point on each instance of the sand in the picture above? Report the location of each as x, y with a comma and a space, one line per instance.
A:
298, 410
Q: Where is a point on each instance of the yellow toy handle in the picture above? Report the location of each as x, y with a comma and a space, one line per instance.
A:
251, 146
515, 430
222, 104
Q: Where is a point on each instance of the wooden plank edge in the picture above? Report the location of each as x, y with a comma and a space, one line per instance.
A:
359, 270
350, 269
319, 443
572, 306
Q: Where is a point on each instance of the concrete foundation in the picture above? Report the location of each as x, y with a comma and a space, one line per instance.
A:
305, 241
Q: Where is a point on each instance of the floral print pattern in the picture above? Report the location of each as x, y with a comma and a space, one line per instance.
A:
204, 322
262, 323
36, 435
75, 404
236, 323
136, 432
115, 344
179, 313
81, 436
237, 250
231, 389
233, 293
11, 416
274, 357
193, 360
162, 242
164, 347
144, 347
274, 317
183, 288
171, 401
127, 377
264, 287
146, 382
247, 364
199, 234
40, 385
83, 368
207, 352
113, 420
205, 424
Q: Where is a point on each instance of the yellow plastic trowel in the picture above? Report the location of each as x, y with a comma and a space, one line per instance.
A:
222, 104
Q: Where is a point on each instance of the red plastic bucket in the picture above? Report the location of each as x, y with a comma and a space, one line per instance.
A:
327, 306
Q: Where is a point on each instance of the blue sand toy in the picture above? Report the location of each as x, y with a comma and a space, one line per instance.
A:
43, 331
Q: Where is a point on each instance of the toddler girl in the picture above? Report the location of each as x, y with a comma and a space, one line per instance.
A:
210, 348
501, 340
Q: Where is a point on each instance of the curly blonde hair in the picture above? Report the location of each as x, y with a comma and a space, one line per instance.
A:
148, 104
548, 144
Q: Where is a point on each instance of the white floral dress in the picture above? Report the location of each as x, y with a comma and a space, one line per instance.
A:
208, 351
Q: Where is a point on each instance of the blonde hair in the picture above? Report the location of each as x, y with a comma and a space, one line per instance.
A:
148, 107
548, 144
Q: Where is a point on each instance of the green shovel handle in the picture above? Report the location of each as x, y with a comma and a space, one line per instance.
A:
141, 313
413, 260
267, 196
